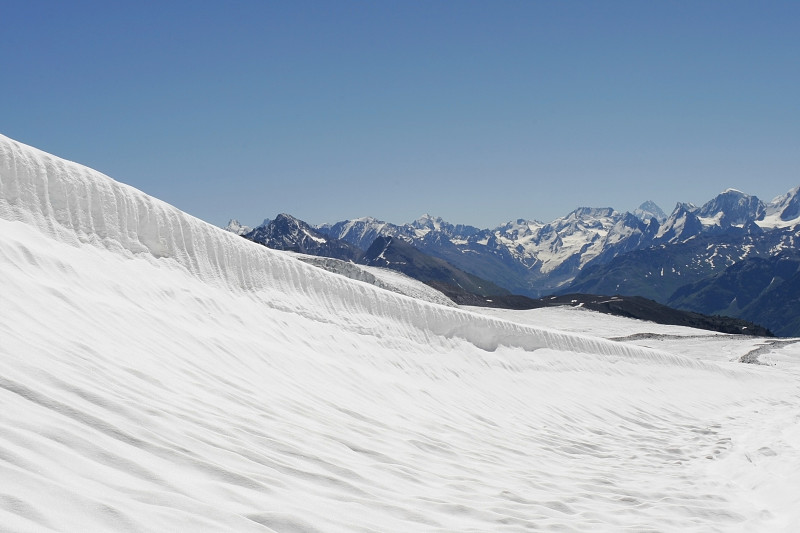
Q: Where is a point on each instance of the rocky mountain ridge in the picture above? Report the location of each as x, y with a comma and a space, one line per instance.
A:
590, 250
534, 258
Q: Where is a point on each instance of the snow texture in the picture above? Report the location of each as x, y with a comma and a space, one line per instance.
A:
783, 211
160, 374
384, 278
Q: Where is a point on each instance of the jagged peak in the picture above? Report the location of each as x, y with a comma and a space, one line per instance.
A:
649, 205
281, 217
234, 226
783, 210
286, 220
591, 212
649, 210
428, 220
682, 207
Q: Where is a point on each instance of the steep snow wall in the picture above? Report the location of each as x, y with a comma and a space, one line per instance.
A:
79, 206
391, 280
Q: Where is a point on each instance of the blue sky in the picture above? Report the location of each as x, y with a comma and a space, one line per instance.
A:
479, 112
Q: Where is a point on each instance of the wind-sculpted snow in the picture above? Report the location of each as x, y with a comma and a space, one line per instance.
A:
76, 204
160, 374
391, 280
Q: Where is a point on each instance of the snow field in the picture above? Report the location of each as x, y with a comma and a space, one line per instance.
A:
158, 374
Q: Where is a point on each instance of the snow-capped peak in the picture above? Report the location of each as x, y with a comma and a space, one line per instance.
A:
427, 221
649, 210
782, 211
681, 224
235, 227
731, 208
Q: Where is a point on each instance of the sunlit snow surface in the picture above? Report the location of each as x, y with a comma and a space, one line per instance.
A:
159, 374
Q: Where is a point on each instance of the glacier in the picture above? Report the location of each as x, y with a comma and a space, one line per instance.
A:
160, 374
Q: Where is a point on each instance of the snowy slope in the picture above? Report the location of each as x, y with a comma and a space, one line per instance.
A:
783, 211
160, 374
384, 278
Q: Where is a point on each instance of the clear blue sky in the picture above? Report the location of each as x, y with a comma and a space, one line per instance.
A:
479, 112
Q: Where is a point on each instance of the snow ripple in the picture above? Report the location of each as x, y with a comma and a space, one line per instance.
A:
159, 374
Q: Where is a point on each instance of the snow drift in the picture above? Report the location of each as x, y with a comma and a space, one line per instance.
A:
75, 204
160, 374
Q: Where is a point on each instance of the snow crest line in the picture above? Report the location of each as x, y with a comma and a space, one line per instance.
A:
77, 205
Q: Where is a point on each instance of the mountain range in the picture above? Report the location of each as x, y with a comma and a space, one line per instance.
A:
589, 251
665, 258
535, 259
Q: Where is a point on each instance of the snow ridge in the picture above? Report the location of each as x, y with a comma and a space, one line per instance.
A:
75, 204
